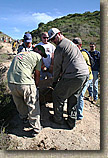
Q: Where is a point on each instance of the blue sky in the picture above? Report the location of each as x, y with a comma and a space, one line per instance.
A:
17, 17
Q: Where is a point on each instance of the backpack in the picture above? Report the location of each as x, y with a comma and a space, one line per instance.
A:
20, 47
90, 57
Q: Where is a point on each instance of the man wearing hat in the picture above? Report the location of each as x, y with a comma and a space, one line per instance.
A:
70, 74
24, 88
80, 104
26, 46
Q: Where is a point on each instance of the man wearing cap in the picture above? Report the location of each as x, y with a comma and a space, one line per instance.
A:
24, 87
26, 46
70, 74
47, 63
80, 104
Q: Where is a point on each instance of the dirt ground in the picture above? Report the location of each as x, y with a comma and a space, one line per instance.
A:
85, 136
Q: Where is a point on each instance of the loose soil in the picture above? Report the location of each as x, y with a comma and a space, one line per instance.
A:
85, 136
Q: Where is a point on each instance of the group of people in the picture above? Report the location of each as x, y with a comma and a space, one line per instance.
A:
47, 63
94, 69
71, 71
5, 39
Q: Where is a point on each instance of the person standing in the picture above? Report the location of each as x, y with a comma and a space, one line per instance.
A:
14, 46
80, 105
24, 87
93, 87
47, 63
26, 46
10, 40
70, 74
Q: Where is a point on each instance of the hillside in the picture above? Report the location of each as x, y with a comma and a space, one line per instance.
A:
4, 35
86, 26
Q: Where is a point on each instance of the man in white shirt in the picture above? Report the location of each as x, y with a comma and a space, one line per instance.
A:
47, 63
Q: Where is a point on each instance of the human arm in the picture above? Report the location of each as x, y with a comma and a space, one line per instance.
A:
37, 77
37, 69
43, 66
52, 58
20, 48
52, 63
57, 69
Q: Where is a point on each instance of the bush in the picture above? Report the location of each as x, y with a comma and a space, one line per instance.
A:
7, 105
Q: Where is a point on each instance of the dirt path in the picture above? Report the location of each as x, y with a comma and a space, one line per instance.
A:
85, 136
7, 48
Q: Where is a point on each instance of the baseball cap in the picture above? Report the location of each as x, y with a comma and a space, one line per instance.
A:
77, 40
52, 32
40, 47
92, 43
27, 38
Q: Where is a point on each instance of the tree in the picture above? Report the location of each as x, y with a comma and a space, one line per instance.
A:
40, 24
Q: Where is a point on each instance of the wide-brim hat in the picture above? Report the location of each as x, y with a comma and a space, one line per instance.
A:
40, 47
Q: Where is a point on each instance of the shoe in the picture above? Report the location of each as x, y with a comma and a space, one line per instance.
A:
36, 131
71, 123
95, 101
79, 117
34, 134
91, 98
60, 122
28, 129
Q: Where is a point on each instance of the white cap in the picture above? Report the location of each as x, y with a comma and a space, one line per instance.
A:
52, 32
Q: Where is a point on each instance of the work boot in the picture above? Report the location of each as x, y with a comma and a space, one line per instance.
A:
60, 121
36, 131
71, 123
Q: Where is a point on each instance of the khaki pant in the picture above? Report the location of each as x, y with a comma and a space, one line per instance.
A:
26, 98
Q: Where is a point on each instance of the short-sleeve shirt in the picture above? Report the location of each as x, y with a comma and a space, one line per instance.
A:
49, 49
23, 66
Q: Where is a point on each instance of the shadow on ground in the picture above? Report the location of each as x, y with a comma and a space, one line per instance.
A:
16, 126
45, 118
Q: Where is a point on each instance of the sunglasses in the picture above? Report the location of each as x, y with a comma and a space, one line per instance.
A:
45, 37
91, 46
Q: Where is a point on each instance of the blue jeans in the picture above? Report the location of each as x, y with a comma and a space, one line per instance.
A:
80, 104
93, 87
